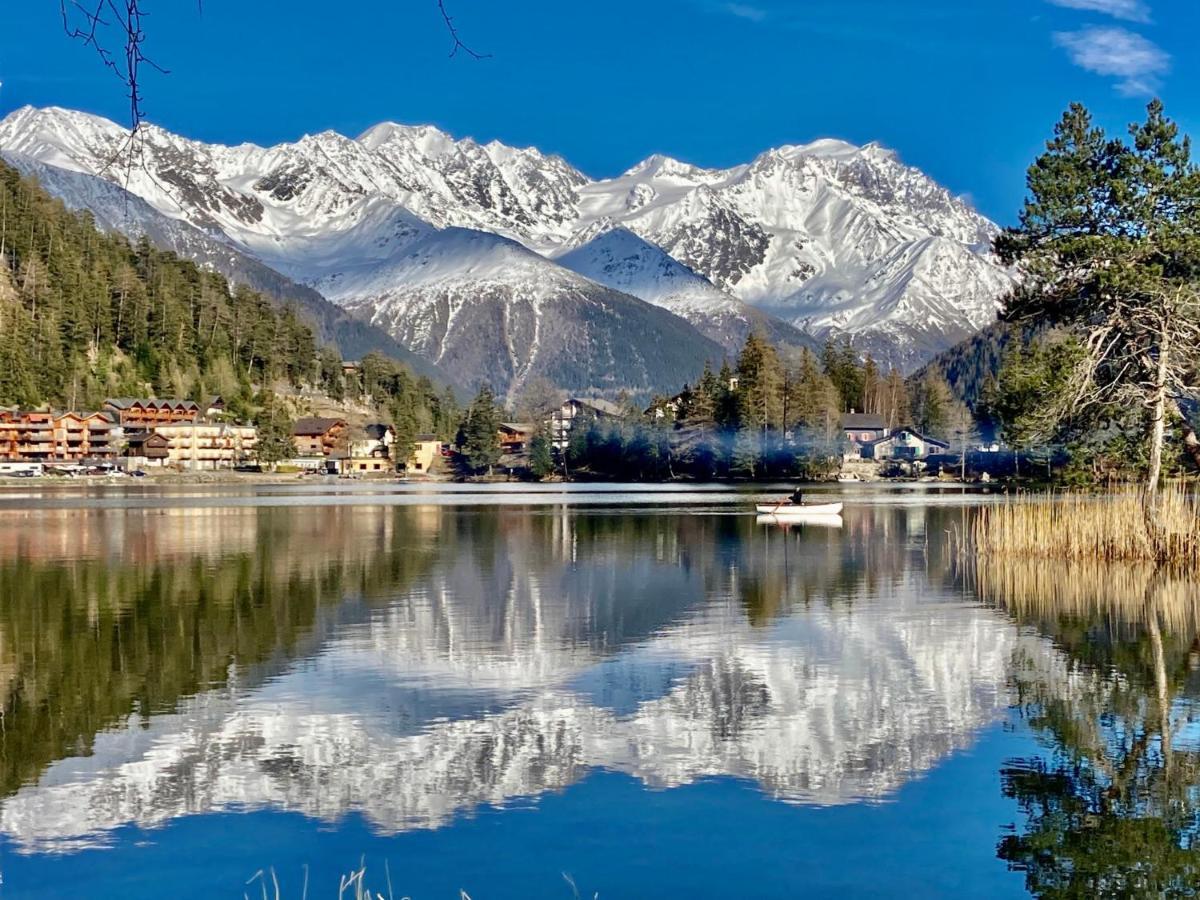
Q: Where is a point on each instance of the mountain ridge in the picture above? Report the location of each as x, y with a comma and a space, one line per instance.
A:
835, 239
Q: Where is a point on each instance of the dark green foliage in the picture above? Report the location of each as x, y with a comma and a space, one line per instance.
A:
970, 366
1109, 248
478, 436
274, 431
841, 365
541, 454
84, 315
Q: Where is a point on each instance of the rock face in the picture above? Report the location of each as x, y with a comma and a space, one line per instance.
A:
621, 260
830, 237
490, 309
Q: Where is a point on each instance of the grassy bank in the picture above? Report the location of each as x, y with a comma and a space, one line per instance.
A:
1105, 528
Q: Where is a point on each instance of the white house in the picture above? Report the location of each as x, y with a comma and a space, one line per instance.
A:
904, 444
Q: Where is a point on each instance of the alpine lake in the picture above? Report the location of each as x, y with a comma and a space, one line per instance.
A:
579, 691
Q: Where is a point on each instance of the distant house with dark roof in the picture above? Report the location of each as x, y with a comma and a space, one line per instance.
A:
515, 436
904, 444
319, 436
142, 413
152, 448
371, 449
860, 429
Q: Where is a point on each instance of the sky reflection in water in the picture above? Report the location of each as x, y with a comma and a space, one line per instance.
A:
490, 695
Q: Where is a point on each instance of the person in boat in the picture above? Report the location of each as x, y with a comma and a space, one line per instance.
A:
797, 497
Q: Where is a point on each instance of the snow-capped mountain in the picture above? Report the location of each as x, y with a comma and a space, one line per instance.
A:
493, 310
832, 237
620, 259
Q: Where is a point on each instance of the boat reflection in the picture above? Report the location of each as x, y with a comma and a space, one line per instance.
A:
794, 521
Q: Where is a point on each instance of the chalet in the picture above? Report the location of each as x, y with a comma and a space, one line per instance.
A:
146, 448
139, 414
205, 445
316, 436
514, 437
371, 449
426, 449
373, 441
563, 418
860, 429
904, 444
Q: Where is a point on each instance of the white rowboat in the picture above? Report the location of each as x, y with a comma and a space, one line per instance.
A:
789, 510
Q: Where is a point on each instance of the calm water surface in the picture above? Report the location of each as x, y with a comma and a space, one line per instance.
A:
531, 694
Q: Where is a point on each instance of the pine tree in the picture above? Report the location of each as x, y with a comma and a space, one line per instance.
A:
479, 438
274, 431
1109, 248
759, 395
541, 455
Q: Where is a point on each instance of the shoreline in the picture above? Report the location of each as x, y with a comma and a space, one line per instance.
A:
254, 479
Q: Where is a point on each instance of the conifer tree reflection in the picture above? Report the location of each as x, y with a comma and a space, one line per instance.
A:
1112, 805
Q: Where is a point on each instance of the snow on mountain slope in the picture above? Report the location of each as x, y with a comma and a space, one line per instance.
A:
621, 260
495, 312
832, 237
116, 210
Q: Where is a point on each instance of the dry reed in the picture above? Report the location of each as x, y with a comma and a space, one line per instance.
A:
1121, 592
1107, 528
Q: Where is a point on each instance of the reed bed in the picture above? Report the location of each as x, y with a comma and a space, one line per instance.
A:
1128, 593
1107, 528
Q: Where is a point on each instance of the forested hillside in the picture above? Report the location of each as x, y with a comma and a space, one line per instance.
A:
85, 315
970, 365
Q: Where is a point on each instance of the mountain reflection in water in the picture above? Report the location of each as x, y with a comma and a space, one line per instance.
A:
411, 663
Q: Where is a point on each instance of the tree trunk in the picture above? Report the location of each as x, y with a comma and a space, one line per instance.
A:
1157, 432
1159, 410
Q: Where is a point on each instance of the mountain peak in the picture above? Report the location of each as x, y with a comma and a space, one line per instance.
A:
428, 138
659, 165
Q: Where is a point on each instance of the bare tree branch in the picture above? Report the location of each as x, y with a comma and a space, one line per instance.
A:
458, 44
87, 20
85, 24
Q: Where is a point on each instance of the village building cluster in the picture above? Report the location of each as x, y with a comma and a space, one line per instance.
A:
143, 434
146, 434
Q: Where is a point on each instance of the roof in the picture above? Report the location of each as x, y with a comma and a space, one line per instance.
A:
145, 437
898, 431
150, 403
869, 421
314, 426
604, 407
425, 439
518, 427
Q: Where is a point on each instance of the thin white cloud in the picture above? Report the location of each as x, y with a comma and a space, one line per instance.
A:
1129, 10
745, 11
1138, 64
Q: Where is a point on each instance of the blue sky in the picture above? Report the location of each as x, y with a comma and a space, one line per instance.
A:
965, 89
